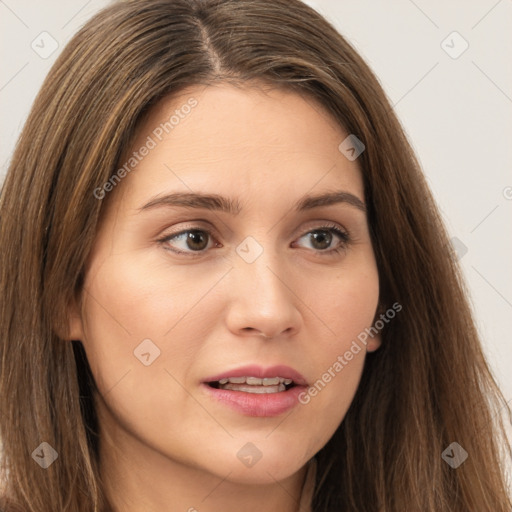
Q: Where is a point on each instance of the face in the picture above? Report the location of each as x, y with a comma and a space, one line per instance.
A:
185, 298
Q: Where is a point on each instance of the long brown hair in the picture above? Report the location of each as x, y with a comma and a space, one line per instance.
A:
426, 387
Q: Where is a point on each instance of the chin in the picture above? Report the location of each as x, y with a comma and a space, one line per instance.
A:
259, 471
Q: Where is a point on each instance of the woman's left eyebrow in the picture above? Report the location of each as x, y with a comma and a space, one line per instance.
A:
217, 202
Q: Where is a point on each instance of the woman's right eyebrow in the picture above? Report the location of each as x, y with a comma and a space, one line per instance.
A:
216, 202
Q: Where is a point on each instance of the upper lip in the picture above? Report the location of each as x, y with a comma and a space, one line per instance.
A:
261, 372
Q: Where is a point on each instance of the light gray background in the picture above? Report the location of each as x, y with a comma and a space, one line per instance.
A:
456, 112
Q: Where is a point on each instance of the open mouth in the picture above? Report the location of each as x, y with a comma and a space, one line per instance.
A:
254, 384
254, 390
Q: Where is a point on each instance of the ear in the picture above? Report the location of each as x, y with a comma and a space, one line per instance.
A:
72, 326
374, 340
373, 343
75, 325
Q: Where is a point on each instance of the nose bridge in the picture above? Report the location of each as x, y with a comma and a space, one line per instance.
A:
260, 267
261, 297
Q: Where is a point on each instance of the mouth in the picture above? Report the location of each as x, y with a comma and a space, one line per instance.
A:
256, 391
252, 384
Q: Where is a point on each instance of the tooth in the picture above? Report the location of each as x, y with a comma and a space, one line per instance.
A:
237, 380
254, 389
253, 381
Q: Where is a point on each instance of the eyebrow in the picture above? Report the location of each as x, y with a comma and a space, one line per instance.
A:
217, 202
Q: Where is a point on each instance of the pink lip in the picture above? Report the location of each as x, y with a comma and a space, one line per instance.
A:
260, 405
257, 371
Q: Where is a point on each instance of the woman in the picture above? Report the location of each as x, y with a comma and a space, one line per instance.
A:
178, 334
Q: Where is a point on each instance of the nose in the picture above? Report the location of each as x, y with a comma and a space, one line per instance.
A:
261, 299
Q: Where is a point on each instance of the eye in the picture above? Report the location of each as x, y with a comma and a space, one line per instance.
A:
194, 240
322, 239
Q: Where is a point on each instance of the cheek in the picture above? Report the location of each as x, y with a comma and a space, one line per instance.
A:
345, 306
130, 299
344, 302
143, 298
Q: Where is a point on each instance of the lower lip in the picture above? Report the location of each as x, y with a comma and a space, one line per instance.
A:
263, 405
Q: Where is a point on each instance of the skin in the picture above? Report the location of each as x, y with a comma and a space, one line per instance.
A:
166, 445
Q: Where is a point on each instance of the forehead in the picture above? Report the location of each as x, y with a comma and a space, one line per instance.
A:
250, 140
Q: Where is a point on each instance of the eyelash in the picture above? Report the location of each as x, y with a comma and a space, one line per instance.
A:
343, 235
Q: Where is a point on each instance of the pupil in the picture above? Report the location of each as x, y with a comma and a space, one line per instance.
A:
324, 237
196, 237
